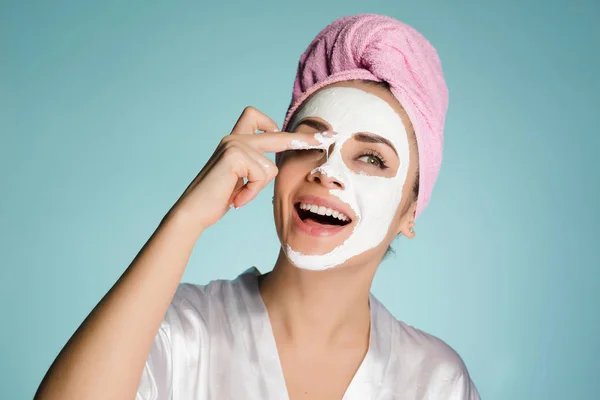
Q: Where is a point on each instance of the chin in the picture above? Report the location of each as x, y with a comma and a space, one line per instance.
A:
313, 246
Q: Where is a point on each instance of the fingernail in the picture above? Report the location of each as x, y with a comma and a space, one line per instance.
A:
276, 130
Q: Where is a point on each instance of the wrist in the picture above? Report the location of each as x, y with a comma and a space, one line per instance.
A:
183, 222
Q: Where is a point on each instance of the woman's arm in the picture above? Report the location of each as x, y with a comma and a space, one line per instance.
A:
105, 357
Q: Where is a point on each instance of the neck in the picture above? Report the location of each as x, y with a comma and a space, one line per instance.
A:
318, 306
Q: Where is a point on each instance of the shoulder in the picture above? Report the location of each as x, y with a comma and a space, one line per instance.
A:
217, 301
190, 296
417, 348
424, 346
428, 364
439, 369
195, 304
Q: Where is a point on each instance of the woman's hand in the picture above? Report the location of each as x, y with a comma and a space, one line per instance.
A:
238, 157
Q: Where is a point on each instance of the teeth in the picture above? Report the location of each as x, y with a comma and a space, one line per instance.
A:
323, 211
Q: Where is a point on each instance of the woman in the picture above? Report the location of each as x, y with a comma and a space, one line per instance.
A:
354, 169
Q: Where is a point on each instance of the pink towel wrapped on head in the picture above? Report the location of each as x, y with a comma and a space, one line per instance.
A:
379, 48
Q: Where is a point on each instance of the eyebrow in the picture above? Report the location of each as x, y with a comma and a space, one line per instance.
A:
371, 138
320, 126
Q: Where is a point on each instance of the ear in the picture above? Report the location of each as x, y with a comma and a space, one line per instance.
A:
406, 225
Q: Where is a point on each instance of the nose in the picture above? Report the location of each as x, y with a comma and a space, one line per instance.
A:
319, 176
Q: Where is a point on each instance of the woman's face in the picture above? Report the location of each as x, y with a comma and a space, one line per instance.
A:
345, 202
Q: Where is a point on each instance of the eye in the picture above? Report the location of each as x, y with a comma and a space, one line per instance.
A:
373, 159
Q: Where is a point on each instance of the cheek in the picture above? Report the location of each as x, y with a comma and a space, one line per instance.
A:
378, 199
379, 196
289, 175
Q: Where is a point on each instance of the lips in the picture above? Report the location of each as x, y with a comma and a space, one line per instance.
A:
318, 216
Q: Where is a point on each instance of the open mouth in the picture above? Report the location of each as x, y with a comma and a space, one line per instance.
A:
327, 217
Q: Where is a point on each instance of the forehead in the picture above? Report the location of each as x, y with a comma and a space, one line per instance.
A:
352, 110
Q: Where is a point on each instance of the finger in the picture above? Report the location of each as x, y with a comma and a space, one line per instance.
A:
268, 166
253, 120
238, 187
281, 141
249, 192
257, 178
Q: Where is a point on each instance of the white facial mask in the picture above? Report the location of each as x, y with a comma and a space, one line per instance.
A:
374, 199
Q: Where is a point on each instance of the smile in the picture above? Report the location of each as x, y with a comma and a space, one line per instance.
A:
322, 214
320, 217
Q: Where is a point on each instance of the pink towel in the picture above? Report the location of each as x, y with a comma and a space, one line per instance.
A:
380, 48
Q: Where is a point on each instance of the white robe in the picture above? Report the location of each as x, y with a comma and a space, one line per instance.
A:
216, 343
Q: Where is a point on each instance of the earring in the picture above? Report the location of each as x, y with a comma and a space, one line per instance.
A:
273, 200
411, 230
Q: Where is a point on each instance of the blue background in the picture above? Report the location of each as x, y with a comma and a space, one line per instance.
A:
108, 110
